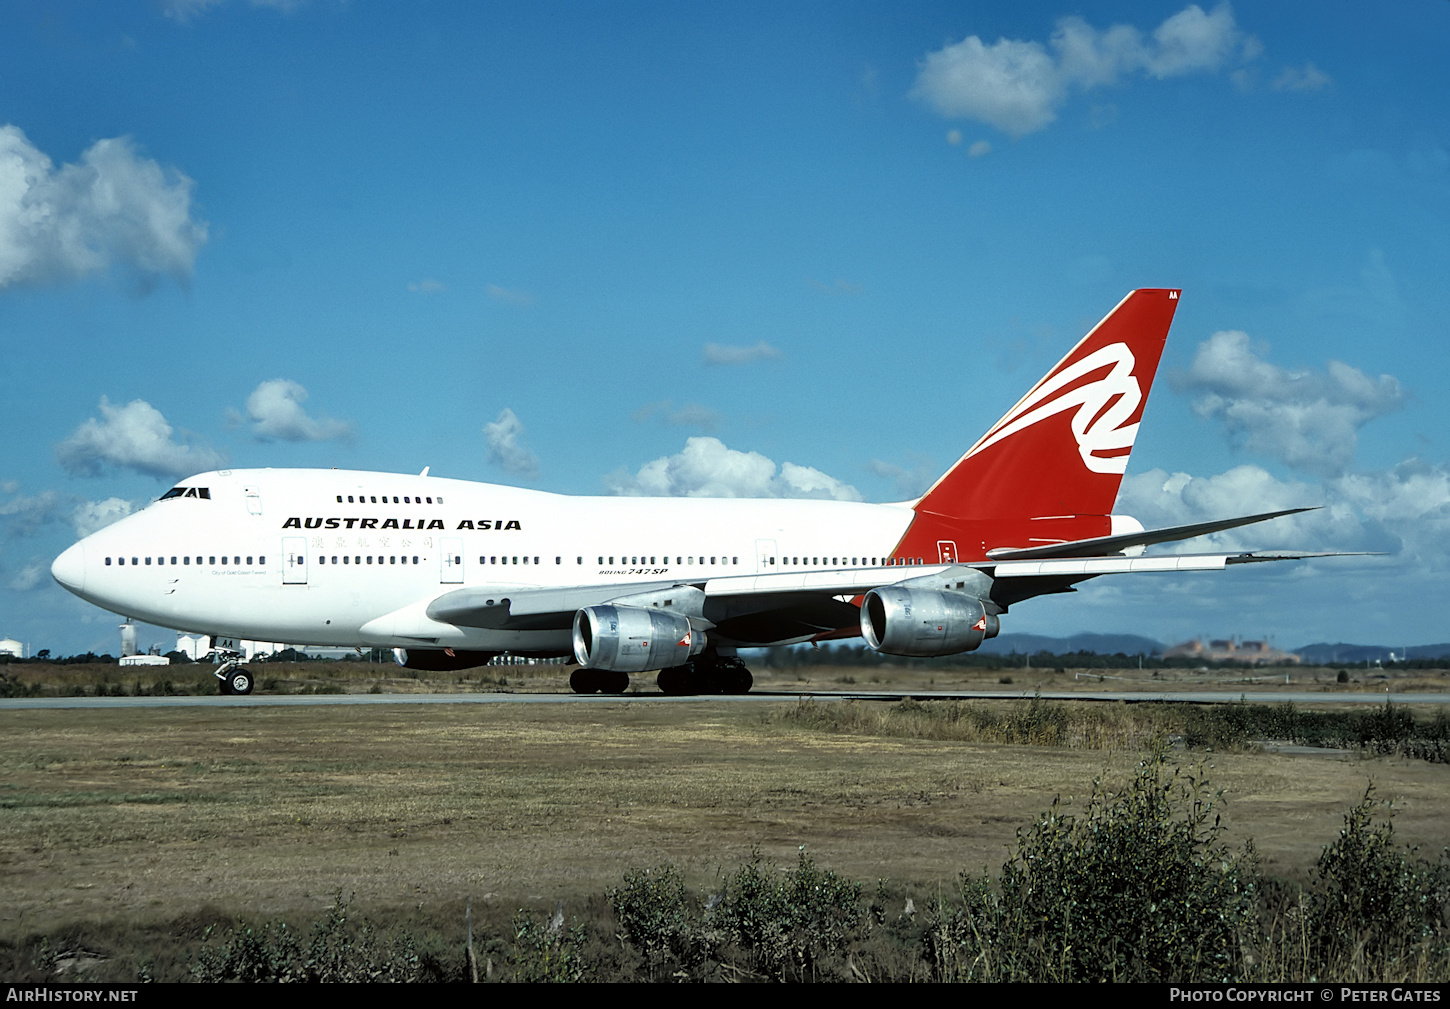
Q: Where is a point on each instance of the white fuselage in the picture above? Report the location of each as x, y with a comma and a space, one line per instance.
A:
332, 557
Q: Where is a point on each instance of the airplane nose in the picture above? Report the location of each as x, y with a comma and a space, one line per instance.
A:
70, 568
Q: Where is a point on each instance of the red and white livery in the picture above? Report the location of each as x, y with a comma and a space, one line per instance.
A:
450, 572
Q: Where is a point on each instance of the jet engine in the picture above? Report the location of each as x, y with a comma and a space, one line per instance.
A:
438, 660
631, 639
924, 622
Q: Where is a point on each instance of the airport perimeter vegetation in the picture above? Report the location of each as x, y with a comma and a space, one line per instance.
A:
170, 843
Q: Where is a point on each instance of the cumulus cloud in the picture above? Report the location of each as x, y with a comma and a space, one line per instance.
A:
24, 515
1305, 78
1309, 420
113, 208
276, 413
91, 516
707, 468
184, 10
28, 577
724, 354
509, 296
1403, 511
506, 448
1018, 86
136, 437
910, 482
688, 415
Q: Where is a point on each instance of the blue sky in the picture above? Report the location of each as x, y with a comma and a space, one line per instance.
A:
615, 248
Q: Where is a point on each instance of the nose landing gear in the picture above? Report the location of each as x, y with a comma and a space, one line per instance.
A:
235, 679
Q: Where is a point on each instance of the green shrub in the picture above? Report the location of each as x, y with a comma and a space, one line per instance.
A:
655, 917
336, 951
787, 925
546, 951
1137, 888
1376, 905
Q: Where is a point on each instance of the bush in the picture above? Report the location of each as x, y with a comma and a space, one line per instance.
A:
654, 915
788, 925
1137, 888
1376, 906
336, 951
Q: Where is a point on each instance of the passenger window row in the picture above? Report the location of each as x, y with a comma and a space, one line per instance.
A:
373, 499
236, 561
368, 559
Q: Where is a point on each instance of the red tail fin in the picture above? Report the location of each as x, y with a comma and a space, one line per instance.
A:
1054, 462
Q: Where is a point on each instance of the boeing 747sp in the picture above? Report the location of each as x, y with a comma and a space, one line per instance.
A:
449, 572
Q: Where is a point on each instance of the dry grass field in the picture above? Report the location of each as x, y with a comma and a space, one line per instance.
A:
116, 817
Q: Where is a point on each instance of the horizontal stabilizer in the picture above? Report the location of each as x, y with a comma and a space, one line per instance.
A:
1103, 546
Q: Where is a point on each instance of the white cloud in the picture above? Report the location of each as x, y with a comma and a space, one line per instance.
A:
135, 436
276, 412
28, 577
1305, 78
1404, 511
688, 415
509, 296
25, 515
427, 286
113, 208
185, 10
1412, 501
90, 516
1309, 420
707, 468
724, 354
980, 149
506, 449
1018, 86
910, 483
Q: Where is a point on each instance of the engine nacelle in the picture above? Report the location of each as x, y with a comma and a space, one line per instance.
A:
924, 622
631, 639
437, 660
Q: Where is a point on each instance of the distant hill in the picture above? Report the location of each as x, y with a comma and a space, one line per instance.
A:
1098, 644
1327, 655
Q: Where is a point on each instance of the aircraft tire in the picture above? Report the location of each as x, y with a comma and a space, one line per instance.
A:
676, 681
584, 681
613, 681
239, 682
739, 681
223, 686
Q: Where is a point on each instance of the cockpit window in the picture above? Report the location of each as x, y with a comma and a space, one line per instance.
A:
203, 492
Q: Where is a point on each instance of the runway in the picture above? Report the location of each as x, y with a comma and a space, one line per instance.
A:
1129, 696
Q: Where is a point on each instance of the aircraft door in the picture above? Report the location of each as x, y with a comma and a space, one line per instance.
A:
451, 560
294, 560
765, 557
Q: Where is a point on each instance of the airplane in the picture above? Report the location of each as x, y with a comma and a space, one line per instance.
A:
450, 573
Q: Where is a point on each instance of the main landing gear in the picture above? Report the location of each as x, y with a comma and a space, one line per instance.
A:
707, 675
704, 675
